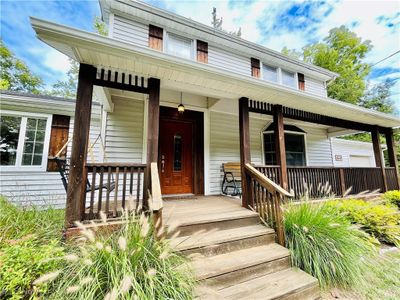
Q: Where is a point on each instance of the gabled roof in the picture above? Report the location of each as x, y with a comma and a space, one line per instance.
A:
156, 16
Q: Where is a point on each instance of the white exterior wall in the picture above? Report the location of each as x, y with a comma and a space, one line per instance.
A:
137, 33
316, 87
229, 61
40, 187
224, 145
130, 31
347, 149
124, 131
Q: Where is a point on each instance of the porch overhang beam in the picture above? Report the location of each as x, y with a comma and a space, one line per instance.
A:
301, 115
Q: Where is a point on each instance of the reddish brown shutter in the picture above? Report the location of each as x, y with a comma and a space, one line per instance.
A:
58, 138
156, 37
302, 82
202, 51
255, 67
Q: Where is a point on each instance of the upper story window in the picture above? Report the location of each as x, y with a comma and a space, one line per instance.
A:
179, 46
270, 73
289, 79
24, 140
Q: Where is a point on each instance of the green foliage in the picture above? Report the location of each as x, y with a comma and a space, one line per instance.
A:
392, 197
377, 97
379, 220
67, 89
130, 263
99, 26
15, 75
323, 243
342, 52
16, 222
22, 261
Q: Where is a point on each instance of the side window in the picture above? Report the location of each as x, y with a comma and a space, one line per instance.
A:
23, 140
9, 139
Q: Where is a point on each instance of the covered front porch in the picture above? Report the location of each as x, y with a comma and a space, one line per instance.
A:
112, 65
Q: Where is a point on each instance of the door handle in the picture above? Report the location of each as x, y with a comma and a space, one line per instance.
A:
162, 163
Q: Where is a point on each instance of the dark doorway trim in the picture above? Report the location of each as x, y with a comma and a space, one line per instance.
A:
197, 119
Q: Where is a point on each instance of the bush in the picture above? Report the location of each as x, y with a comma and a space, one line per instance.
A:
323, 243
16, 222
379, 220
392, 197
21, 262
130, 263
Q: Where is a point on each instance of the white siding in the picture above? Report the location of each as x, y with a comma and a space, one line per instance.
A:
224, 145
41, 187
228, 61
130, 31
318, 150
124, 131
314, 86
346, 149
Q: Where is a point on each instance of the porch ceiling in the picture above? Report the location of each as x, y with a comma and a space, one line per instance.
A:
191, 76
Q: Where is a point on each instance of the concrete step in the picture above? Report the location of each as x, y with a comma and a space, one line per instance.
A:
228, 269
189, 225
223, 241
287, 284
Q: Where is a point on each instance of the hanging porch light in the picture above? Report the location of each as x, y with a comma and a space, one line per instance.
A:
181, 107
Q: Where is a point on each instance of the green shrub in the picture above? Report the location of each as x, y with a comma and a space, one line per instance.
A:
392, 197
16, 222
21, 262
379, 220
323, 243
130, 263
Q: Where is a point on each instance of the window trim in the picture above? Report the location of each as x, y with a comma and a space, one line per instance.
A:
304, 134
279, 76
193, 44
46, 143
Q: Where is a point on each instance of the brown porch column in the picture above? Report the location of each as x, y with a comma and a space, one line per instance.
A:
392, 154
153, 122
77, 176
245, 157
280, 149
378, 156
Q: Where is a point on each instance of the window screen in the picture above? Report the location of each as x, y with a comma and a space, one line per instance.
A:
179, 46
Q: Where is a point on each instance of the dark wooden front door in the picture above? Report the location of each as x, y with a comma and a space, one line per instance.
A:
176, 156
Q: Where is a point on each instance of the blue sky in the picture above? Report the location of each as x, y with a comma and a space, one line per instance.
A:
274, 24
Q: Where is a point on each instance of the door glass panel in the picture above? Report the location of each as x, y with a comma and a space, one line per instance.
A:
177, 152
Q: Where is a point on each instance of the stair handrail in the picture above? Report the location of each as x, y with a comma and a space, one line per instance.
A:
269, 207
155, 198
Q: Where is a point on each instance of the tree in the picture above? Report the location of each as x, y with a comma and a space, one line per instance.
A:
217, 24
15, 75
377, 97
342, 52
67, 88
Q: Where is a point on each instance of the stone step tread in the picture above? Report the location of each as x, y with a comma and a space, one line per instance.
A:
210, 217
213, 266
203, 239
271, 286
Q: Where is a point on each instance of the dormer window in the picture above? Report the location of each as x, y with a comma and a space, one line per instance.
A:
179, 46
270, 73
289, 79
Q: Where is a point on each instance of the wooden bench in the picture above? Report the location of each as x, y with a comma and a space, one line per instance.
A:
232, 179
